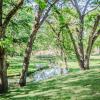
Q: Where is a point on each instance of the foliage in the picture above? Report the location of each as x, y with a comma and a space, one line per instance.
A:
18, 30
41, 3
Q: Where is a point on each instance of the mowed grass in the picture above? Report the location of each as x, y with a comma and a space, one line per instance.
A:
16, 64
77, 85
83, 85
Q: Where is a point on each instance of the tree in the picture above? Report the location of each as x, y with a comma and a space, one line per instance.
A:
82, 56
18, 31
3, 26
63, 42
79, 29
44, 7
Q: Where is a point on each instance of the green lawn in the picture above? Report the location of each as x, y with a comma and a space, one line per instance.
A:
16, 64
83, 85
78, 85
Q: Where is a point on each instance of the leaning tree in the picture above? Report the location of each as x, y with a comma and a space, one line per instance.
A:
42, 11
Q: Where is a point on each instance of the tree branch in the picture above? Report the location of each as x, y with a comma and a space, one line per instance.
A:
96, 23
85, 8
75, 4
92, 9
48, 10
96, 35
93, 36
1, 4
12, 13
73, 41
51, 27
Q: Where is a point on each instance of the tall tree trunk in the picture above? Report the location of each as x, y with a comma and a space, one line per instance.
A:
92, 38
3, 67
22, 81
3, 72
88, 52
76, 48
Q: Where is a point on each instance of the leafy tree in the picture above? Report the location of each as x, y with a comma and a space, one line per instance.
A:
63, 42
18, 30
5, 18
77, 26
82, 56
43, 10
79, 30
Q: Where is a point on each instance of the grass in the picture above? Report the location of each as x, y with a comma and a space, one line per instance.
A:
83, 85
78, 85
16, 64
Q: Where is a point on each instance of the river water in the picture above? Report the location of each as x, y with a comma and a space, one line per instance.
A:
48, 73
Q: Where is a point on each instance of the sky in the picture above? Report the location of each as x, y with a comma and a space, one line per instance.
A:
81, 4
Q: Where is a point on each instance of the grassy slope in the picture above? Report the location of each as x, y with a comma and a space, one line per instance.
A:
84, 85
77, 86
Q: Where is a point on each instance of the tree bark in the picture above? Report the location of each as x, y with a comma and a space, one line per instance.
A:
3, 67
88, 52
3, 72
92, 38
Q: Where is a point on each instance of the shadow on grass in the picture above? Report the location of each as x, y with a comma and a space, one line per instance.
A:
80, 86
74, 69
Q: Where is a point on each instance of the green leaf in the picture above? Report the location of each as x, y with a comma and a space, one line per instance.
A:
41, 3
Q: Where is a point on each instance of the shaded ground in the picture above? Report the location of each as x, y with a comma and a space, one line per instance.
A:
77, 86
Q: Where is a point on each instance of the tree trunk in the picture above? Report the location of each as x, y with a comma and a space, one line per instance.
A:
88, 51
86, 64
80, 62
3, 72
78, 56
22, 81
